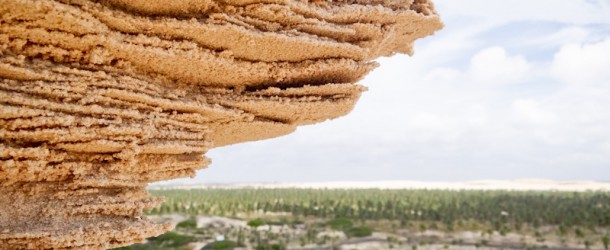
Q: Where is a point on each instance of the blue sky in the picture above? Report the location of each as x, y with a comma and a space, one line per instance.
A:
508, 90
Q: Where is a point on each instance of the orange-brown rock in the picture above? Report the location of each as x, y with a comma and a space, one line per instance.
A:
100, 98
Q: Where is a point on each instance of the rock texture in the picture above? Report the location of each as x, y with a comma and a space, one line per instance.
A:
100, 98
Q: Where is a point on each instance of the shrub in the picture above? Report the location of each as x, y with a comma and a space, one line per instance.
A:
256, 223
361, 231
340, 224
167, 241
220, 245
172, 239
267, 246
188, 223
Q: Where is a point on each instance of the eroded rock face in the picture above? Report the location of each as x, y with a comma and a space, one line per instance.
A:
100, 98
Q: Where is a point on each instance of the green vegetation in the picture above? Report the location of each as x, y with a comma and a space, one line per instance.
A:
500, 209
189, 223
220, 245
256, 223
340, 224
346, 225
362, 231
310, 218
274, 246
172, 240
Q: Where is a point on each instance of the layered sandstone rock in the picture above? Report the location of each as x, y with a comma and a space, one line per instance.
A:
100, 98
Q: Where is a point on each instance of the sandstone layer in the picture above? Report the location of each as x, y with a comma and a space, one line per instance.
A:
100, 98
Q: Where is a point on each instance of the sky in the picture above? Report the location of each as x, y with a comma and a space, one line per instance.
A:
507, 90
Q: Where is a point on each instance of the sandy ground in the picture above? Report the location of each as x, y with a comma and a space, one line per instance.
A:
515, 185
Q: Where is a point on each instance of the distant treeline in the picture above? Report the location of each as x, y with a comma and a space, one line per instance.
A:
498, 209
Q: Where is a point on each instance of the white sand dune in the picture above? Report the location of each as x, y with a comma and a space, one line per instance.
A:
515, 185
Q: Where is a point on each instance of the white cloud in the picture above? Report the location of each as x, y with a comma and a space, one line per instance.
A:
605, 147
587, 64
428, 121
443, 75
494, 66
567, 35
530, 112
